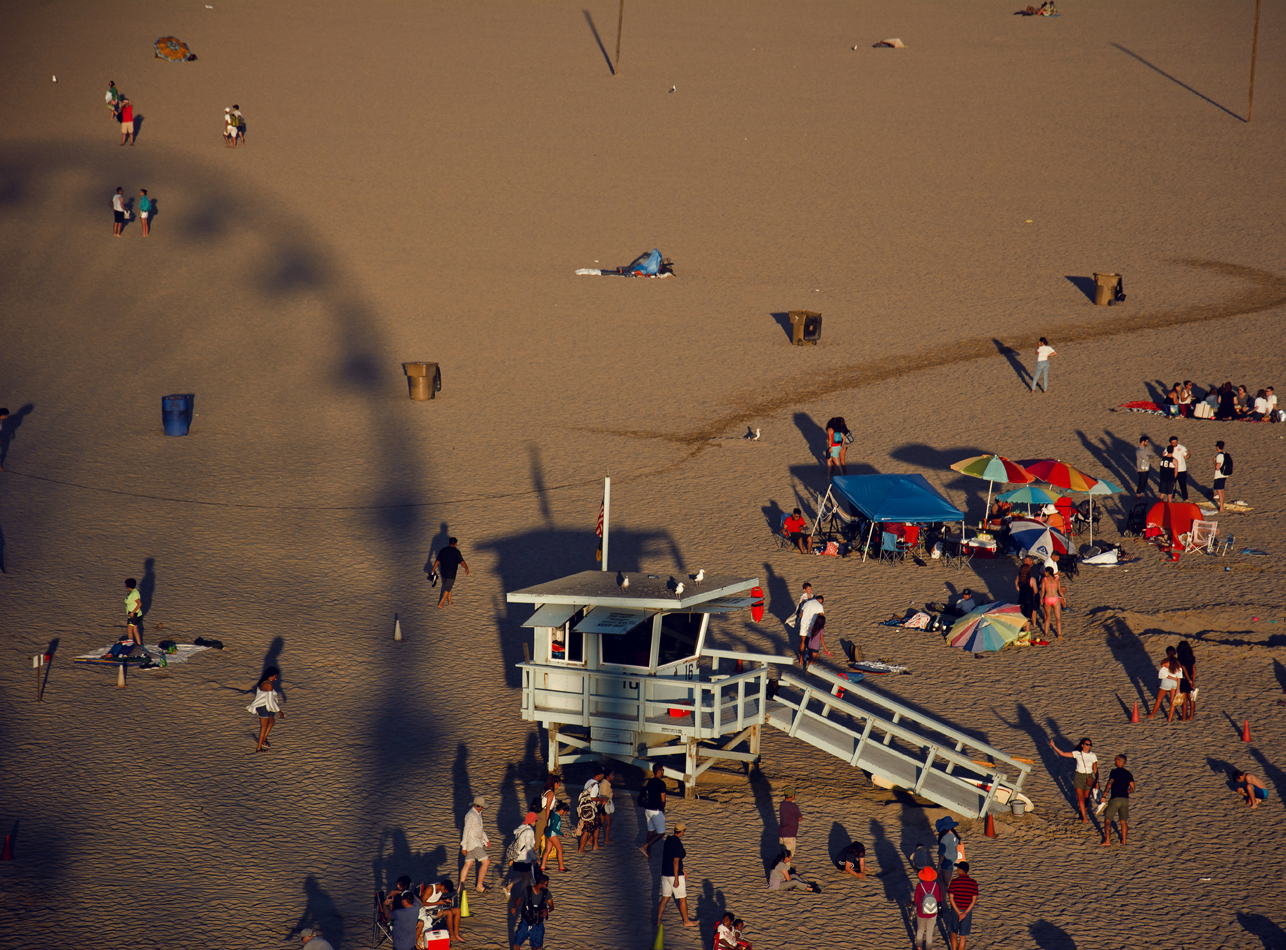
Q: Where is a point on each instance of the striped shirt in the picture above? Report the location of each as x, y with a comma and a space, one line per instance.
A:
963, 889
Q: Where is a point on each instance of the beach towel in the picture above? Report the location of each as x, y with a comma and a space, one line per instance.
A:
651, 264
148, 658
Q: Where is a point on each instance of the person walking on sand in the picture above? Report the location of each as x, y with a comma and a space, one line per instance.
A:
804, 598
144, 209
554, 836
533, 904
1086, 771
837, 436
808, 613
229, 128
1170, 674
1143, 463
1188, 685
962, 895
447, 565
1180, 453
113, 97
652, 801
1043, 352
674, 879
474, 844
127, 122
605, 795
1120, 784
133, 611
1223, 468
118, 212
1051, 597
239, 126
816, 642
925, 903
950, 849
788, 815
266, 704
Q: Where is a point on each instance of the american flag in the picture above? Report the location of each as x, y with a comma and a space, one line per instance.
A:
599, 530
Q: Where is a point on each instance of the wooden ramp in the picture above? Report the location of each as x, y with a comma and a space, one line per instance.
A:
903, 746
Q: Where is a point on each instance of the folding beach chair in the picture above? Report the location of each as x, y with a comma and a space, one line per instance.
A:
956, 554
1225, 546
891, 547
1137, 521
1202, 537
381, 925
910, 543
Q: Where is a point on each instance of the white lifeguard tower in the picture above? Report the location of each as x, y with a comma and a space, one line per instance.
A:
622, 670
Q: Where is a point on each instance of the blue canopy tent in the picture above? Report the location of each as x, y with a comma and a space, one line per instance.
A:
905, 498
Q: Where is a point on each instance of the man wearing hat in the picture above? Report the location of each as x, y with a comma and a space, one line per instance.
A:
927, 900
313, 939
788, 820
474, 844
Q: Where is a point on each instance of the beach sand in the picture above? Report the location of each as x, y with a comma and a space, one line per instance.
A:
420, 182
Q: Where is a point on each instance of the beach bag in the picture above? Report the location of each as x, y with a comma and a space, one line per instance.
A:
644, 799
586, 809
928, 903
1226, 469
1203, 410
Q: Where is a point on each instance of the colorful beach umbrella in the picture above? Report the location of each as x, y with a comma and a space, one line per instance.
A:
173, 49
1030, 495
1061, 475
993, 468
987, 628
1039, 539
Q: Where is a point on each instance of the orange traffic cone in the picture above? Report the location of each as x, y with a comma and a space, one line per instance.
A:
7, 853
991, 826
1245, 731
1134, 716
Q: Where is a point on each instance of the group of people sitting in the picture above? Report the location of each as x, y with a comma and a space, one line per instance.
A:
413, 912
1223, 402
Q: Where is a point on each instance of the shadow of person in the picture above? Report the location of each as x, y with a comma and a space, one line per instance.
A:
769, 839
9, 429
1116, 455
138, 124
1226, 769
147, 586
1278, 668
320, 912
273, 659
1051, 760
420, 867
461, 790
440, 541
837, 840
1133, 657
711, 906
814, 436
1015, 362
1257, 925
1050, 936
892, 868
779, 596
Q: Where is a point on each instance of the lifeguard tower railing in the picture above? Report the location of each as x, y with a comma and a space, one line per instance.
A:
707, 720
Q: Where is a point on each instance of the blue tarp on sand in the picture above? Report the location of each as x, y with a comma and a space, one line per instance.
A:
896, 498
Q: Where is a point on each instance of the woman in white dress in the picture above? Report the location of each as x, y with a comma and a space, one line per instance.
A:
266, 705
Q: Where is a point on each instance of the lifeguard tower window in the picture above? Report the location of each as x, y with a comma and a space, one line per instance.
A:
568, 645
633, 648
679, 634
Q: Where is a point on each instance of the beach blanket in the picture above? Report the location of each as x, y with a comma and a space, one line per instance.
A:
651, 264
878, 667
144, 658
1238, 506
1150, 408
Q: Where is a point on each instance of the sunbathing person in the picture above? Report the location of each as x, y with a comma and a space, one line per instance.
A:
121, 649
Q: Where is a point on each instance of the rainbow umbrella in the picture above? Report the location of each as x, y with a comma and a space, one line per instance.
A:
988, 628
994, 468
1061, 475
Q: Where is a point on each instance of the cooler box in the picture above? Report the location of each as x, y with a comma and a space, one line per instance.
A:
437, 940
982, 549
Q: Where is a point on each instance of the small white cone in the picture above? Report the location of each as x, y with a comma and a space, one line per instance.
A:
120, 676
397, 629
55, 79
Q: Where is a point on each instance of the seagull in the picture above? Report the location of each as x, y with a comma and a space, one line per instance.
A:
701, 575
672, 88
678, 591
626, 582
757, 433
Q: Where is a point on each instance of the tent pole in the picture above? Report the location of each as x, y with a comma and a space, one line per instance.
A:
1254, 49
866, 549
607, 516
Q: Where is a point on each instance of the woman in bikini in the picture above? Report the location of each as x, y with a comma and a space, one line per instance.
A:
266, 704
1170, 673
836, 449
1051, 597
554, 836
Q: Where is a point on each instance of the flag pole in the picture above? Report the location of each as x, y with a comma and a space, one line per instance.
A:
620, 21
607, 516
1254, 48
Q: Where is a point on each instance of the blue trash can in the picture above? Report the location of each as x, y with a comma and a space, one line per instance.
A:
176, 413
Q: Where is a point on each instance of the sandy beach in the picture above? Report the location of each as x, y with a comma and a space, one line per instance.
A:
420, 181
